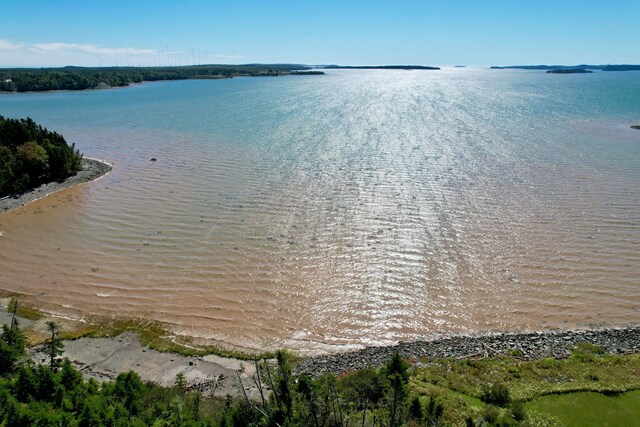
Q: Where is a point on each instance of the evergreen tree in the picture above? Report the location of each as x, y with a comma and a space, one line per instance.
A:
396, 373
55, 347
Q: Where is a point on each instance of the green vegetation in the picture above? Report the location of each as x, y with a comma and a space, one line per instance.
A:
42, 395
380, 67
31, 155
508, 391
153, 334
569, 71
55, 394
596, 409
609, 67
589, 388
79, 78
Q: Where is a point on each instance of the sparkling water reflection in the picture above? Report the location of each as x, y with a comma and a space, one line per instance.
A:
360, 207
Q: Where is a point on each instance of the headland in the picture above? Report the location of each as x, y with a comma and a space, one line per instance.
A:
92, 169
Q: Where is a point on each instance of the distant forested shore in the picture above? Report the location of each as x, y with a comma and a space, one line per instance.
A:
609, 67
81, 78
379, 67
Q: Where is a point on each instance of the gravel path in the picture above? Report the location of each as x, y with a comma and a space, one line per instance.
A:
91, 169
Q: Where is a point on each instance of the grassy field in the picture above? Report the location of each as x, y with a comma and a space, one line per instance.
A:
589, 388
590, 409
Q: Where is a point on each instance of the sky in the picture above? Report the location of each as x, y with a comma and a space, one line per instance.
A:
36, 33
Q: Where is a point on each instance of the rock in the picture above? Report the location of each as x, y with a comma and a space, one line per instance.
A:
558, 344
153, 159
635, 127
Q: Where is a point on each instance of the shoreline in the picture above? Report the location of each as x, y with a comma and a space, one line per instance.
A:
92, 169
133, 84
104, 357
556, 344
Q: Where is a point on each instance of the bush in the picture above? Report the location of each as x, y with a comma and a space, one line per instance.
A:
518, 411
586, 351
496, 394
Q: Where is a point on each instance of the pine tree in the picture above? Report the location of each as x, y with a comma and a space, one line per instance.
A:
54, 345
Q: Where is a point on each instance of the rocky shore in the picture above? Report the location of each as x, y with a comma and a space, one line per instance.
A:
105, 358
535, 345
91, 169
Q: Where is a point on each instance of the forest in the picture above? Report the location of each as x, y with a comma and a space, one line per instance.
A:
80, 78
31, 155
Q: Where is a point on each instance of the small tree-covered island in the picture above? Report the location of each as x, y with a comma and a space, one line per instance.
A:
31, 155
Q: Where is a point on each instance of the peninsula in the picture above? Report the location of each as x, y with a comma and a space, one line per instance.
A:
81, 78
609, 67
35, 162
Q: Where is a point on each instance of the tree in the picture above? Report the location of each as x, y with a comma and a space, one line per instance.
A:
434, 412
13, 309
180, 382
31, 155
55, 347
364, 387
12, 342
415, 410
397, 375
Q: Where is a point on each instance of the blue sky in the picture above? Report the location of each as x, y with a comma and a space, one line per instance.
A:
500, 32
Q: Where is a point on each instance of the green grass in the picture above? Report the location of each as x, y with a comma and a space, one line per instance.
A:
154, 335
591, 409
547, 386
529, 379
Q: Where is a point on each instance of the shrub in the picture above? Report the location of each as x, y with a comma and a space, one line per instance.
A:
496, 394
518, 411
586, 351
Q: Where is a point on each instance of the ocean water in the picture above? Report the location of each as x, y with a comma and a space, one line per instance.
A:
323, 213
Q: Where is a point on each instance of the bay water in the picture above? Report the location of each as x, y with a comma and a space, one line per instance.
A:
322, 213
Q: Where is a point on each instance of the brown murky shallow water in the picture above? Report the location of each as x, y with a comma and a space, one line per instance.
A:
419, 225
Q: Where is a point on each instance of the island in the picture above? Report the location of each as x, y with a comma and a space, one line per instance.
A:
81, 78
307, 73
569, 71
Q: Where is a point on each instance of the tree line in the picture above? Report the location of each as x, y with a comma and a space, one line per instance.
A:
79, 78
54, 393
31, 155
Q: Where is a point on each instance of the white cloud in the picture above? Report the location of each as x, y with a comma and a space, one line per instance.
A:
24, 54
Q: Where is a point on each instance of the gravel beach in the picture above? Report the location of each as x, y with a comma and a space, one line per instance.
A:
533, 345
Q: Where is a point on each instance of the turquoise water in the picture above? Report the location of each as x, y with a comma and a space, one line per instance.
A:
359, 207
